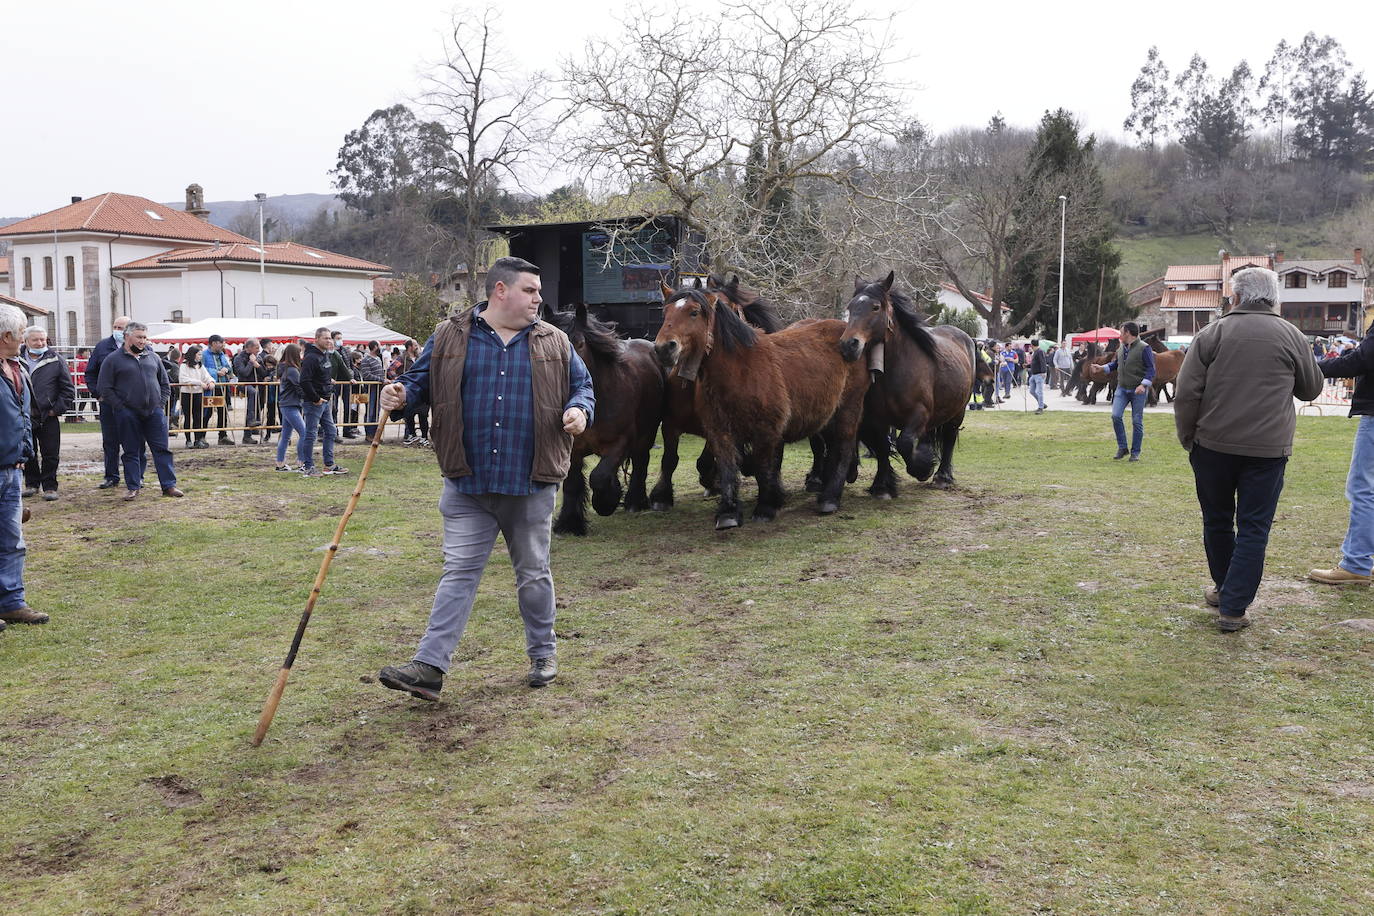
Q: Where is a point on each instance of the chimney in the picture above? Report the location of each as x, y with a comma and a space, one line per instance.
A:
195, 202
1278, 256
1359, 256
77, 200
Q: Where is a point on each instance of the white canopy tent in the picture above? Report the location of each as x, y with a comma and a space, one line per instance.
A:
356, 331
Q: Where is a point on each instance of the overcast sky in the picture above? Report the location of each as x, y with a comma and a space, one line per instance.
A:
146, 97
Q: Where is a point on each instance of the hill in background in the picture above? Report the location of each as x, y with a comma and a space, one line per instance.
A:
295, 209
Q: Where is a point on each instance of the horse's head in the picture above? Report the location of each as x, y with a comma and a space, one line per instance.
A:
868, 316
685, 338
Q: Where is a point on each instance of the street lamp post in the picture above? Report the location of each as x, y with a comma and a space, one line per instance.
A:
262, 252
1063, 210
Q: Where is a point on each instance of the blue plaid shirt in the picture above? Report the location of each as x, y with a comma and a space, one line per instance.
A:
498, 407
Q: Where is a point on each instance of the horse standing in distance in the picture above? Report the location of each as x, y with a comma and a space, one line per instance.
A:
924, 388
629, 406
755, 392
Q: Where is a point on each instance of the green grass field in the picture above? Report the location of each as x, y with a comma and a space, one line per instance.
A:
1002, 698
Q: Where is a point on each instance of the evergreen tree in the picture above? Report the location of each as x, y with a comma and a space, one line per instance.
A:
1060, 162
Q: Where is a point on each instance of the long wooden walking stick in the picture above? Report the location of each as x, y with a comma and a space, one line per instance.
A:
269, 709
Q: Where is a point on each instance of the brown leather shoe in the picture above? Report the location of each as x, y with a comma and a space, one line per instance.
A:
172, 491
23, 614
132, 494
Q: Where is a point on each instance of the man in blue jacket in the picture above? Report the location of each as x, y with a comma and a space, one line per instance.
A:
109, 429
16, 447
218, 363
1357, 551
134, 384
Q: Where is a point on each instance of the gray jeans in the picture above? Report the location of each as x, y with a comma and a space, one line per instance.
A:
471, 524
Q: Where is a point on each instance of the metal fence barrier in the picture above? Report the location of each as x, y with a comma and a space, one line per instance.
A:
1335, 393
251, 407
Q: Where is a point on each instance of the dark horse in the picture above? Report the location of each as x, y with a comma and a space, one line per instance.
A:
923, 390
629, 405
755, 392
679, 409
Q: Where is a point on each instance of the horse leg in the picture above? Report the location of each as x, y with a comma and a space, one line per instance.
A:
884, 484
605, 481
840, 447
572, 518
707, 470
636, 500
768, 459
727, 483
661, 499
814, 476
949, 434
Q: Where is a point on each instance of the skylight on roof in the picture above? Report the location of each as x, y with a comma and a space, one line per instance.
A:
255, 248
152, 215
315, 254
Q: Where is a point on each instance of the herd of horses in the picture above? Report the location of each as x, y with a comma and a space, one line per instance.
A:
724, 368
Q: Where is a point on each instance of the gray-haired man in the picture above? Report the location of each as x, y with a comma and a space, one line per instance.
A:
1234, 414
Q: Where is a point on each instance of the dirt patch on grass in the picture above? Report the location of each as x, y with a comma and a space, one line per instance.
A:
1286, 593
57, 857
176, 791
1351, 789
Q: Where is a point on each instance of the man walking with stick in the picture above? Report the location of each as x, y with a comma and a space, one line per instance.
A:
508, 394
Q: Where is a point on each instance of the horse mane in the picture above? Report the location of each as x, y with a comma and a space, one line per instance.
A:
731, 331
758, 311
583, 327
911, 321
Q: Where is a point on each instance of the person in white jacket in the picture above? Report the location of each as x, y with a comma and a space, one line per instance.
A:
195, 383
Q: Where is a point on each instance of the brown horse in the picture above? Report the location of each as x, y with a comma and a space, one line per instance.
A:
923, 390
755, 392
679, 409
629, 405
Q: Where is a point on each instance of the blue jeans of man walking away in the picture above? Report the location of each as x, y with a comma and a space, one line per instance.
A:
471, 524
1037, 389
1357, 553
1238, 495
136, 431
12, 549
1122, 397
318, 421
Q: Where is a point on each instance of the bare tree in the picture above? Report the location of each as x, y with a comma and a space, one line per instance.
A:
493, 115
1004, 213
772, 130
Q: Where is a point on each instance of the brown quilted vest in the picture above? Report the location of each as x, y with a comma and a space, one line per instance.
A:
550, 355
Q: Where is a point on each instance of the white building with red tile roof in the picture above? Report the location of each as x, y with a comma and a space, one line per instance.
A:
118, 254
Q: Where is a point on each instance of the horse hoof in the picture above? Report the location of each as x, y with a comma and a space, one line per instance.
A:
567, 529
828, 507
764, 516
882, 495
813, 485
661, 506
942, 483
726, 523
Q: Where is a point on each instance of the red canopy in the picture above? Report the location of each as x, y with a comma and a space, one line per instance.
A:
1099, 334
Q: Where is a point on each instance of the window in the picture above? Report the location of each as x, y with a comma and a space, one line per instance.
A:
1335, 313
51, 323
28, 273
47, 273
1295, 280
71, 329
329, 314
177, 317
1337, 280
1190, 322
71, 271
1197, 285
